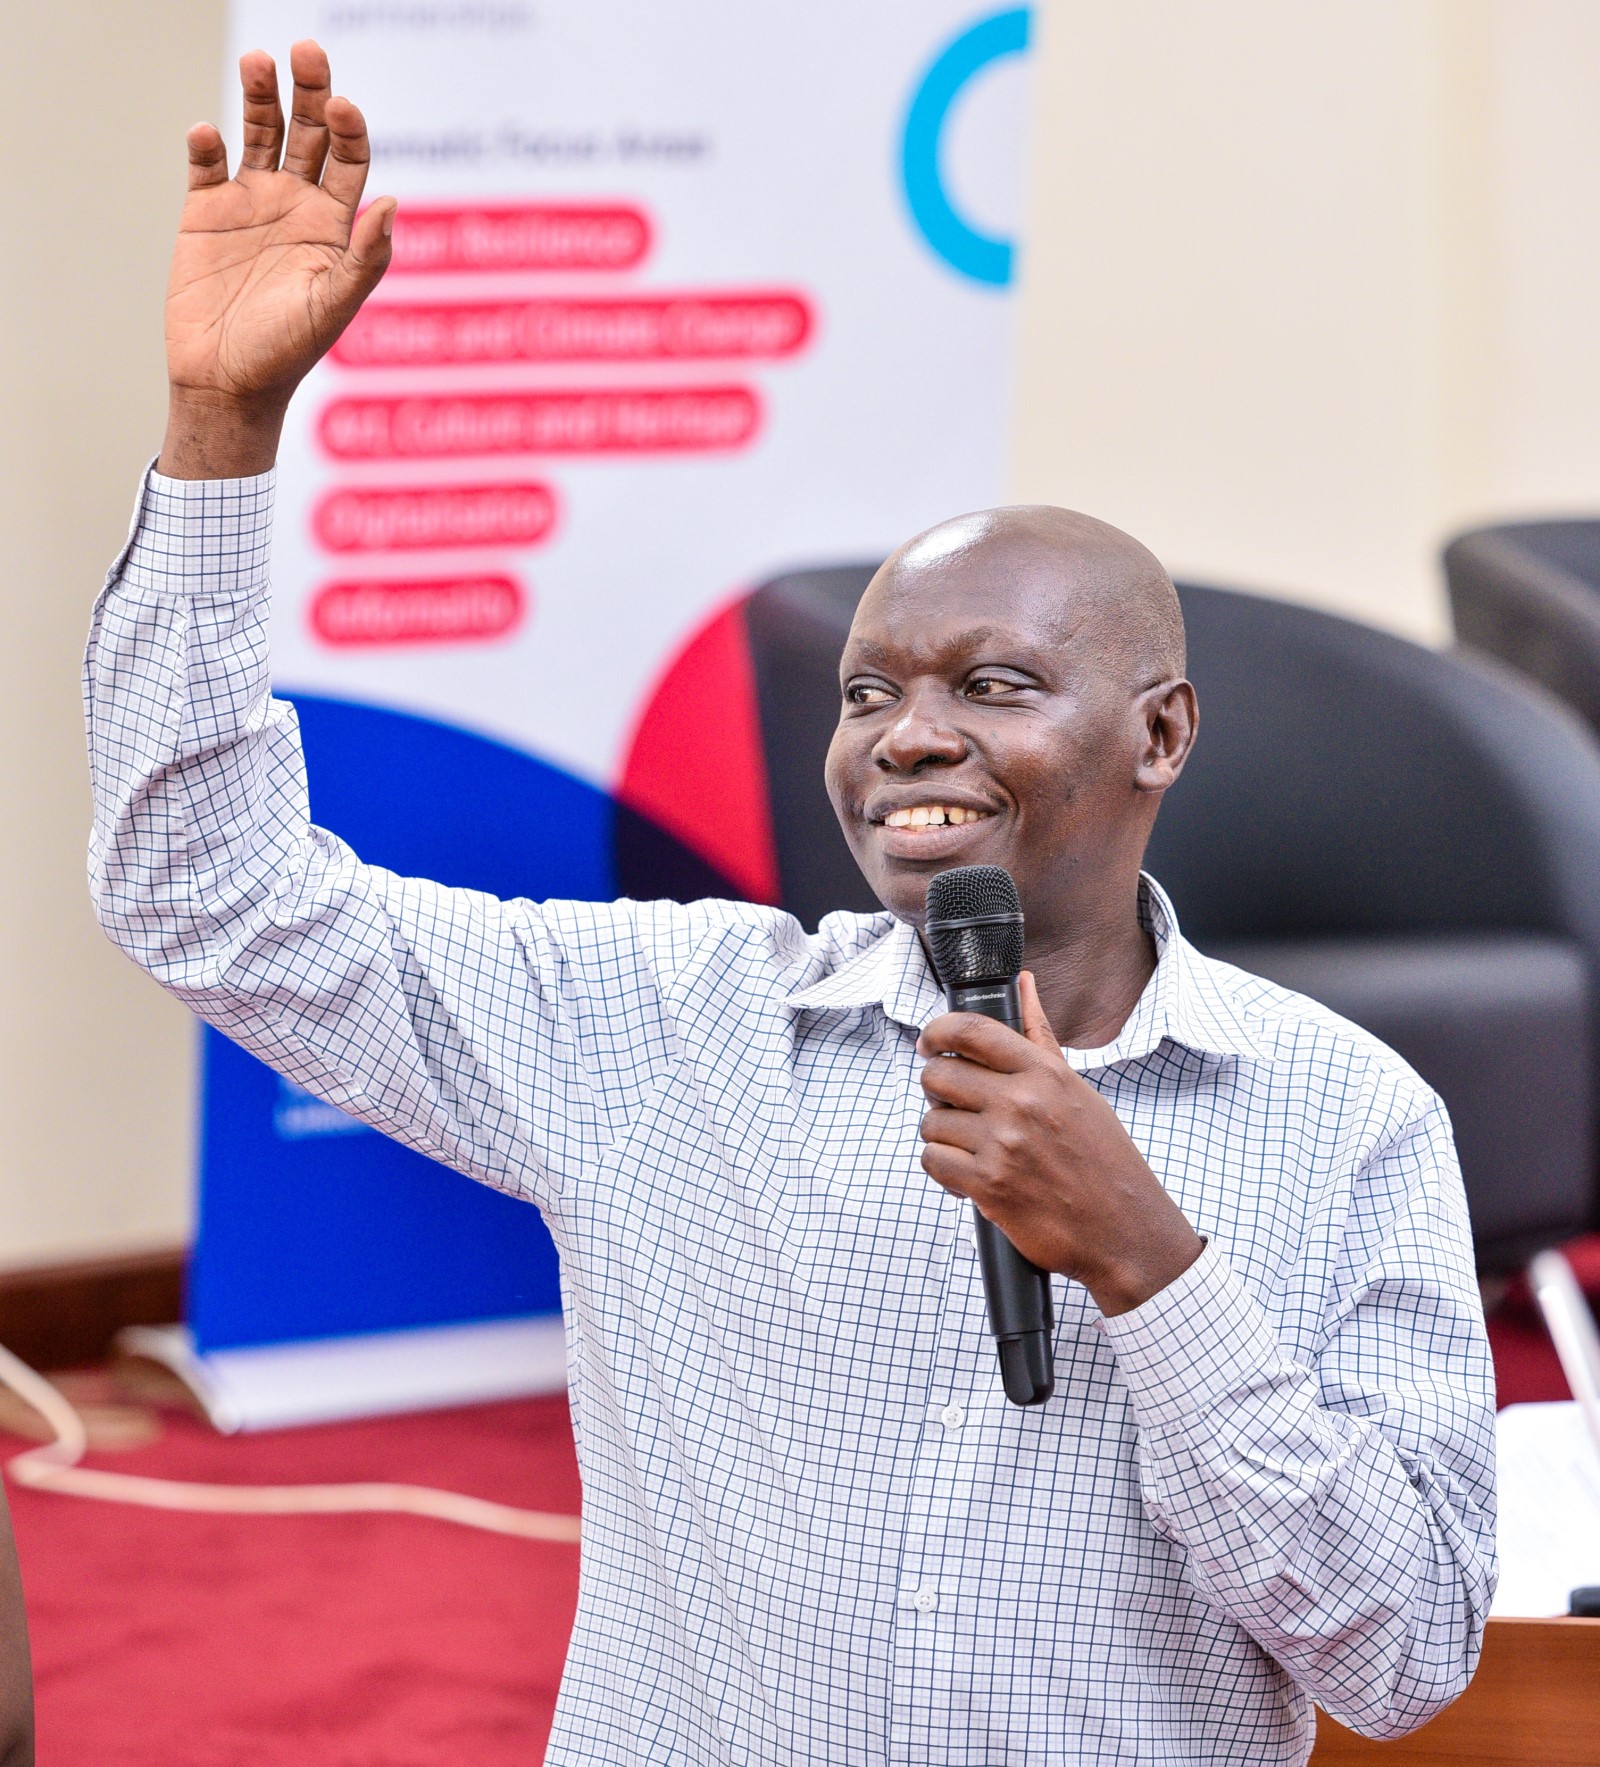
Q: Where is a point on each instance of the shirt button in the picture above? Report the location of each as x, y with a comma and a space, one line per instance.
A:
952, 1417
925, 1600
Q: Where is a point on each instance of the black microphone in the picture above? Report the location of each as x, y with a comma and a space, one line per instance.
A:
974, 934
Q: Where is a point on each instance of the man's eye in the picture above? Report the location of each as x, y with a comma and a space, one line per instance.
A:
867, 693
987, 686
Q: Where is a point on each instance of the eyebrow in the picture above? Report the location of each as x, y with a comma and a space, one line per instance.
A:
973, 637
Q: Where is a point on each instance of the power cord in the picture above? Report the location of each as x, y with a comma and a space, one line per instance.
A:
53, 1466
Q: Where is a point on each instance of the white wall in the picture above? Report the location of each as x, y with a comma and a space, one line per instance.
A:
1544, 209
1307, 287
95, 1104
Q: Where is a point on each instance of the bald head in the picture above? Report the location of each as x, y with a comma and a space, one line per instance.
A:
1012, 694
1095, 587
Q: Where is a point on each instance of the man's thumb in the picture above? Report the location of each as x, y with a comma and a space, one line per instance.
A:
366, 257
1035, 1026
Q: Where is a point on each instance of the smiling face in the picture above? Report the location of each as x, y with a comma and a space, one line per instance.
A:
1012, 695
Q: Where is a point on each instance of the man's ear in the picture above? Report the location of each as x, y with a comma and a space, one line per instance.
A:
1169, 716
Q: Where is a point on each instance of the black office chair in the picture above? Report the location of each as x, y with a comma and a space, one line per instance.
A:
1529, 593
1412, 838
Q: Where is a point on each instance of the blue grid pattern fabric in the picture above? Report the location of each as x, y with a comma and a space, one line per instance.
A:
814, 1530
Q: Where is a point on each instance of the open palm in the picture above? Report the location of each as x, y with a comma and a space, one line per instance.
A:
271, 265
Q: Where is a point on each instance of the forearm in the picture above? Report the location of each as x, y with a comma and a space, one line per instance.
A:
1364, 1577
198, 787
389, 997
204, 867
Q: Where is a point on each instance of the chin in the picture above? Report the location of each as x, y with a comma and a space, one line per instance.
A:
906, 902
903, 891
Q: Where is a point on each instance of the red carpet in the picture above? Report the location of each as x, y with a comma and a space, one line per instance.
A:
364, 1641
367, 1641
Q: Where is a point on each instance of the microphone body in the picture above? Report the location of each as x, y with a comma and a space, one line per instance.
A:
1021, 1314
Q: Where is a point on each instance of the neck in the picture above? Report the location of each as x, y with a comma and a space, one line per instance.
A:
1090, 977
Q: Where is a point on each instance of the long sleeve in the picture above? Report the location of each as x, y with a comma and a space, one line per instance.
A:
1340, 1508
464, 1026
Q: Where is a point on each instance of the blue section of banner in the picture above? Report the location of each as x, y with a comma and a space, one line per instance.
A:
952, 237
310, 1225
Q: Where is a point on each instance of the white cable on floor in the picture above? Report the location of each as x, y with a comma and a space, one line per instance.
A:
54, 1467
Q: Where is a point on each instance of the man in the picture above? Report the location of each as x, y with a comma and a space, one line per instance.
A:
814, 1529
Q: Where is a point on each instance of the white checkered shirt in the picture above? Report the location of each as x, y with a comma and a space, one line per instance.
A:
814, 1529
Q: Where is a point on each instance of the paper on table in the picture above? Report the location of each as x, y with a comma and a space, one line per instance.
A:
1549, 1508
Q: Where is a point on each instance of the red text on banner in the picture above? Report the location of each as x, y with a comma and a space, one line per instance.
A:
435, 610
518, 236
607, 420
650, 328
410, 517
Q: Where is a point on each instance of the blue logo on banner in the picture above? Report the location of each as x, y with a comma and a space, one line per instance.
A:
956, 240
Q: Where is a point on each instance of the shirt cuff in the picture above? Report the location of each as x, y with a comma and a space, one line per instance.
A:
1201, 1338
201, 536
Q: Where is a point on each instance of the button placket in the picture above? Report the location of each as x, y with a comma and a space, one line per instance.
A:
937, 1497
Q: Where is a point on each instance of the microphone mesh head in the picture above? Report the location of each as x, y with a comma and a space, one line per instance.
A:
984, 953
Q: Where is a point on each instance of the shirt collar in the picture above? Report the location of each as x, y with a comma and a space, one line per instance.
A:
1182, 1003
892, 972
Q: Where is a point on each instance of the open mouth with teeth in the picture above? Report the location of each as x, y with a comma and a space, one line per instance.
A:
933, 816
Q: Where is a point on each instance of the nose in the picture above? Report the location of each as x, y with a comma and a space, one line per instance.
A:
921, 736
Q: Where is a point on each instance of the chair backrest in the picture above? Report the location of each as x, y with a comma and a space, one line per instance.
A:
1529, 593
796, 627
1347, 781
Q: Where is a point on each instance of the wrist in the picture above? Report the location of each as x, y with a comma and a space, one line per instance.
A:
1139, 1274
217, 436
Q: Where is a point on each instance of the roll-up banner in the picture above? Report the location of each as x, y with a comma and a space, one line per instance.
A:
686, 299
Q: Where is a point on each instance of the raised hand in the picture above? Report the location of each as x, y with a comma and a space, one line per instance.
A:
270, 266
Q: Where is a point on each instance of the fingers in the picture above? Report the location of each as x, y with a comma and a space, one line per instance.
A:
324, 132
953, 1128
1035, 1026
951, 1168
307, 146
349, 154
208, 158
263, 114
979, 1039
962, 1085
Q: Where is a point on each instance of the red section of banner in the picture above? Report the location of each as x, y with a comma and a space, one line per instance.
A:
696, 767
663, 420
411, 517
518, 236
652, 328
434, 610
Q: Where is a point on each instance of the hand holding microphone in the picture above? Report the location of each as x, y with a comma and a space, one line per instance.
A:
1053, 1176
974, 933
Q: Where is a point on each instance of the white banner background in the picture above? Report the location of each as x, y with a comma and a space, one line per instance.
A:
763, 143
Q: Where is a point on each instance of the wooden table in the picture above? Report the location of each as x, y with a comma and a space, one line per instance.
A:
1534, 1702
